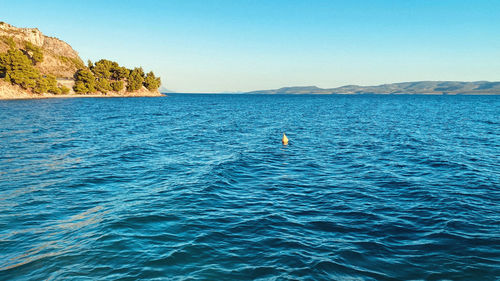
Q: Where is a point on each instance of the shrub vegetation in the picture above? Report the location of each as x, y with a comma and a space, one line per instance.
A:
33, 52
64, 90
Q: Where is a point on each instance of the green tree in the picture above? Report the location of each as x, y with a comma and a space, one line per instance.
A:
80, 88
119, 73
52, 85
4, 64
103, 85
151, 82
85, 81
42, 86
117, 86
103, 68
34, 52
135, 79
16, 68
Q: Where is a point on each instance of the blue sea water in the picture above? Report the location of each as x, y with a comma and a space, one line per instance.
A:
199, 187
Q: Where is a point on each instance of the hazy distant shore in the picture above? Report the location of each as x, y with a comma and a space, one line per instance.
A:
405, 88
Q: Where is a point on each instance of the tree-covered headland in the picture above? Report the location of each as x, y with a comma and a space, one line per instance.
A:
18, 65
106, 76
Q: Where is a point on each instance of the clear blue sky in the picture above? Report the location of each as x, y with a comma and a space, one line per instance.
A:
242, 45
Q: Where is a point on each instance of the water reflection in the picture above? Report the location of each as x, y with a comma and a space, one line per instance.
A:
53, 238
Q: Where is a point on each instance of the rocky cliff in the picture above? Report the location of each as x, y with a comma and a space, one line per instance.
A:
59, 60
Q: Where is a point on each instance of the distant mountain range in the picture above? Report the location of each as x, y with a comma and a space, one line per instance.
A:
421, 87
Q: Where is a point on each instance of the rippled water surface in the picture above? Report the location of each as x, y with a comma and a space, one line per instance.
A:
199, 187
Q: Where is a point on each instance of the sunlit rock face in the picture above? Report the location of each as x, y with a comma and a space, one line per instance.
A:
59, 57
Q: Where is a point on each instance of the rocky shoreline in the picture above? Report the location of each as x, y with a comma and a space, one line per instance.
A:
14, 92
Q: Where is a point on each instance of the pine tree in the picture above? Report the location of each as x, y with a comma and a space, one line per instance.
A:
151, 82
16, 68
52, 85
42, 86
102, 68
119, 73
85, 81
117, 86
135, 79
103, 85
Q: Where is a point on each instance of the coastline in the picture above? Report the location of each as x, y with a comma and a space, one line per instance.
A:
14, 92
49, 96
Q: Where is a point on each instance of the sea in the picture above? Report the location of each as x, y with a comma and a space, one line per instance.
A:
200, 187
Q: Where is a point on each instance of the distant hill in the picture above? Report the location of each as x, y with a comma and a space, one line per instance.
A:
421, 87
165, 90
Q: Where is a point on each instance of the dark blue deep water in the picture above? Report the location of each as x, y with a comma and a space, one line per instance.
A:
199, 187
